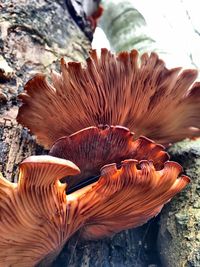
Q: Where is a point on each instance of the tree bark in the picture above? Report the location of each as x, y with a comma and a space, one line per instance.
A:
34, 36
179, 233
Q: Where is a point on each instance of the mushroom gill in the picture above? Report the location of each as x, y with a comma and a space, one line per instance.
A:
129, 196
92, 148
34, 222
123, 175
139, 93
37, 217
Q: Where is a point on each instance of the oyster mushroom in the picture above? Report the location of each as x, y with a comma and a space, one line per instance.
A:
34, 223
37, 217
92, 148
139, 93
128, 197
123, 175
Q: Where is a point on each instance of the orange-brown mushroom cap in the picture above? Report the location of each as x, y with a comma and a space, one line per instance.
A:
37, 217
138, 93
127, 197
92, 148
33, 217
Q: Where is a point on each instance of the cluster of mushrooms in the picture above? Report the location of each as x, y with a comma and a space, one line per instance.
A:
105, 125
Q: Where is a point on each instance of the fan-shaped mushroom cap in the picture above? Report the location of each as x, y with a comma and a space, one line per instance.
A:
138, 93
92, 148
127, 197
37, 218
33, 217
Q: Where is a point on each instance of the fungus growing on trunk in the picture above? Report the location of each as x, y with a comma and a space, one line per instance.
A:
138, 93
123, 175
129, 196
37, 217
34, 222
92, 148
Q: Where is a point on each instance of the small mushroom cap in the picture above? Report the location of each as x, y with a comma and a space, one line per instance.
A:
52, 169
33, 218
139, 93
92, 148
128, 197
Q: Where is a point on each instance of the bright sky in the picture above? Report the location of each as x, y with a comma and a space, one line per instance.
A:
169, 24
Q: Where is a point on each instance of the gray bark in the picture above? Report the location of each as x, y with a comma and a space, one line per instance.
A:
127, 249
179, 233
34, 36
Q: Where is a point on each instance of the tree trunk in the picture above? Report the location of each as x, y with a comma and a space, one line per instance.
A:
34, 36
179, 234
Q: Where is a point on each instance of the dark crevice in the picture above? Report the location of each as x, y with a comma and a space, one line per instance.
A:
75, 8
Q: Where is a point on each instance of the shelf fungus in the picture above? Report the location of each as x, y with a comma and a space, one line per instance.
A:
93, 147
96, 173
33, 217
139, 93
37, 217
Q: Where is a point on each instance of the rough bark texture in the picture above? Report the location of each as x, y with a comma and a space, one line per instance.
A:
127, 249
34, 36
179, 234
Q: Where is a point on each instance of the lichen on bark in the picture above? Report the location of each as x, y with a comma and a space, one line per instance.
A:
34, 35
179, 233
